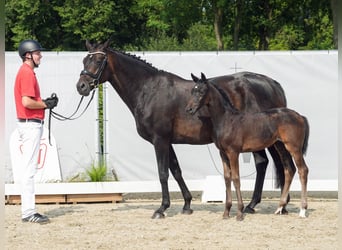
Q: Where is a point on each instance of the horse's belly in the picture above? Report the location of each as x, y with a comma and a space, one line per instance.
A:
191, 133
253, 145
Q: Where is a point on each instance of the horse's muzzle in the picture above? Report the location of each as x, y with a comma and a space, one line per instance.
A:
191, 110
83, 88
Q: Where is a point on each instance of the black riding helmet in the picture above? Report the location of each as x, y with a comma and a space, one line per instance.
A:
29, 46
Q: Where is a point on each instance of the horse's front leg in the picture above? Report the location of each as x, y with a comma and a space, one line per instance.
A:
177, 174
162, 154
235, 175
228, 181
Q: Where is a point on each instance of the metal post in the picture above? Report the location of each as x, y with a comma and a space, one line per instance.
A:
97, 130
105, 115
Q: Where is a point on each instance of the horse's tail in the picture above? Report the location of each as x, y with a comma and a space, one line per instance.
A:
306, 136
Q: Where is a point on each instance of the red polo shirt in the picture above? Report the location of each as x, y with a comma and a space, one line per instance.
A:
26, 84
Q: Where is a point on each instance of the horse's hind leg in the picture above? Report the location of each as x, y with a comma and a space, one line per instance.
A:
279, 165
261, 162
288, 173
177, 174
228, 181
303, 171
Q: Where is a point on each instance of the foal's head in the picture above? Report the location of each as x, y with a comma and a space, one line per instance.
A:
198, 94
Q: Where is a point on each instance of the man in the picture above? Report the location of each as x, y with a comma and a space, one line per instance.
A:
30, 113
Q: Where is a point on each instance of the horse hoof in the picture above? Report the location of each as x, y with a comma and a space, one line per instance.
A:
158, 215
225, 217
302, 213
249, 210
281, 211
187, 211
239, 217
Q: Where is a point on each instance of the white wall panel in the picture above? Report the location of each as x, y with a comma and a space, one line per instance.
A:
309, 79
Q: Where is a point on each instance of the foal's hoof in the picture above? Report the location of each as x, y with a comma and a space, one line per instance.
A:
240, 217
281, 211
249, 210
302, 213
187, 211
158, 215
225, 217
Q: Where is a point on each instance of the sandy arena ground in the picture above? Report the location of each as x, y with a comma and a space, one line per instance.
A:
127, 225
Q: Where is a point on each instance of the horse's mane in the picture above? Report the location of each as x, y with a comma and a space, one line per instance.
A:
135, 57
227, 103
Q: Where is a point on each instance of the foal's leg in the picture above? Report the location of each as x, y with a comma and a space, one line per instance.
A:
261, 161
235, 175
177, 174
228, 181
279, 165
303, 171
289, 173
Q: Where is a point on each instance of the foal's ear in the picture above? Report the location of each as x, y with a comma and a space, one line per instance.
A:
194, 78
203, 77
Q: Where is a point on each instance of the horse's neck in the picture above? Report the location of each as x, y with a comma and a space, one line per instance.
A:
129, 77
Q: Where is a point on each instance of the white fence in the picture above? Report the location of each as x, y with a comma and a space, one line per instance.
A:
309, 79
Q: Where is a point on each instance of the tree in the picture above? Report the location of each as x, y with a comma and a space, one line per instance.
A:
237, 22
98, 20
334, 8
29, 19
217, 6
170, 18
174, 24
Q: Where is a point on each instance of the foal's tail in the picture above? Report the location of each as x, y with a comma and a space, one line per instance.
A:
306, 136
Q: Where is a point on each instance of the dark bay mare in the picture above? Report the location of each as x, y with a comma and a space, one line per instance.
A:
236, 132
157, 100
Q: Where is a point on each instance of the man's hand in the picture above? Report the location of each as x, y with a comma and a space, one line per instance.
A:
51, 102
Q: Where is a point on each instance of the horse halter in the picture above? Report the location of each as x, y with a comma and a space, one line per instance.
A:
97, 75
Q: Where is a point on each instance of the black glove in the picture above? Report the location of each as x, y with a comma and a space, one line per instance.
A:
51, 102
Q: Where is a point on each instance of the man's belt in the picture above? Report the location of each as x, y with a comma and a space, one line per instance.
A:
31, 120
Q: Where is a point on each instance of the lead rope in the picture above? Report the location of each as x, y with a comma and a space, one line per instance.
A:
71, 117
49, 126
218, 171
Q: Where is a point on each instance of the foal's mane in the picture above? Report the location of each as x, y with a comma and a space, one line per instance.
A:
227, 103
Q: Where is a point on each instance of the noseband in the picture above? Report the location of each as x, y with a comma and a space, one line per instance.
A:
97, 75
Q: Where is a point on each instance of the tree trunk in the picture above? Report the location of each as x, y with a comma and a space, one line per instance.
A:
264, 29
218, 14
237, 24
334, 9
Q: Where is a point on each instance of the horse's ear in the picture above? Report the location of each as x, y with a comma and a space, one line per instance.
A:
88, 45
106, 44
203, 78
194, 78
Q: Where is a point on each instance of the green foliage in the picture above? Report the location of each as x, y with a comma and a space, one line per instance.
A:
162, 43
200, 37
287, 38
171, 24
322, 35
97, 173
31, 19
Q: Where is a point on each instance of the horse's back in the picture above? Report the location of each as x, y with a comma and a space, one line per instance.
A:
251, 91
